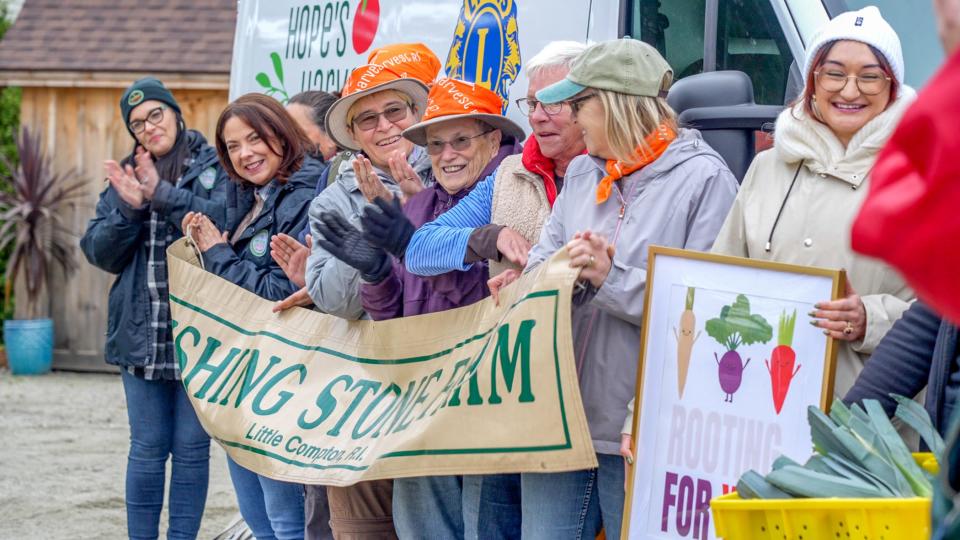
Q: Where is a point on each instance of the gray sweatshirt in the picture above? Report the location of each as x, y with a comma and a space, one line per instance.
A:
680, 200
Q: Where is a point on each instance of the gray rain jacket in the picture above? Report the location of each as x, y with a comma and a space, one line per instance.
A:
333, 285
680, 200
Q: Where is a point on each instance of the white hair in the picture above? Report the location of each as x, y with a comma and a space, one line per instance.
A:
556, 54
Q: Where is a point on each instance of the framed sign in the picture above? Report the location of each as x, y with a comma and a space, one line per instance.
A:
729, 363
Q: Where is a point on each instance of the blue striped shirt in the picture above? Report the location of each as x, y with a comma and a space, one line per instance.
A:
440, 246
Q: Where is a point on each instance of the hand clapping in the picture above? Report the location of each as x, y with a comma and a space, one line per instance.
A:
203, 232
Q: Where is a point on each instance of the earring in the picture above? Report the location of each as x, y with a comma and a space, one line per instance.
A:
816, 110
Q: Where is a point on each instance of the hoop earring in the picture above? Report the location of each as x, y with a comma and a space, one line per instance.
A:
816, 109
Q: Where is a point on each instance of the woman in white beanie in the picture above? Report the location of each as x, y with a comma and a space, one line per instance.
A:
798, 200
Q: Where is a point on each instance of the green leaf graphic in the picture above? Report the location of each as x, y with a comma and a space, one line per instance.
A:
264, 80
277, 66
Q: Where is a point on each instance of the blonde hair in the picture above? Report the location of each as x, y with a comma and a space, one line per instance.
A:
628, 119
352, 111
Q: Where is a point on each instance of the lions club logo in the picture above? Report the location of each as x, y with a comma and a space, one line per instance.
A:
485, 47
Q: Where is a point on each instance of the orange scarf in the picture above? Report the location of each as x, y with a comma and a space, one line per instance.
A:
658, 141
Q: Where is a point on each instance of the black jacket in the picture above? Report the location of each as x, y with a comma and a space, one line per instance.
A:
920, 350
116, 240
248, 263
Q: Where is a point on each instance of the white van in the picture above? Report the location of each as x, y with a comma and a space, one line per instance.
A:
284, 47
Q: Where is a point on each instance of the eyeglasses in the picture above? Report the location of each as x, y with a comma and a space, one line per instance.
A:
154, 117
527, 107
869, 84
369, 120
459, 144
577, 103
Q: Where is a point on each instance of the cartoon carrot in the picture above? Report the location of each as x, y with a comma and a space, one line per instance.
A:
782, 360
685, 340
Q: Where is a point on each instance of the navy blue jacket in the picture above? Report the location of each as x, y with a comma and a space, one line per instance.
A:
116, 241
321, 185
920, 350
247, 263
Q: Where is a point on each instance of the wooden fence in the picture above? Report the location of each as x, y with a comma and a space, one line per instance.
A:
81, 127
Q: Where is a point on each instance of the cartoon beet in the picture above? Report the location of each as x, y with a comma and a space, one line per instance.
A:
735, 327
685, 340
782, 359
365, 23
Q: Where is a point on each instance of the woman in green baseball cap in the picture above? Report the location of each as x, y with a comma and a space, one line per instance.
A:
645, 181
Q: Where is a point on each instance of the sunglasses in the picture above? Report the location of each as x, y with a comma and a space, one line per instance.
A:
369, 120
458, 144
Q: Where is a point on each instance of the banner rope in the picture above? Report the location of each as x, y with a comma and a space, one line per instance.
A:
192, 244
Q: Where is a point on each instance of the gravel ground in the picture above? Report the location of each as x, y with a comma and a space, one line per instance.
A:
63, 454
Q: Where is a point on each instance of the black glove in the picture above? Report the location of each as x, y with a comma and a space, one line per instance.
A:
387, 227
346, 243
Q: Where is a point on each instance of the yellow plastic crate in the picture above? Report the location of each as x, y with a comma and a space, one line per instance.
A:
824, 519
928, 462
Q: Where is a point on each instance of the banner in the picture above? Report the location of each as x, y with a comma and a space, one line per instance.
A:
315, 399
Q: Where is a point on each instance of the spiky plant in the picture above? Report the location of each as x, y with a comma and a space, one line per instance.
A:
32, 202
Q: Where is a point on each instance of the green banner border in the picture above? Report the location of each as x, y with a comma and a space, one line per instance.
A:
553, 293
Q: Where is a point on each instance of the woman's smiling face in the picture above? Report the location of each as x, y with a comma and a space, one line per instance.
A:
846, 110
459, 169
382, 140
252, 157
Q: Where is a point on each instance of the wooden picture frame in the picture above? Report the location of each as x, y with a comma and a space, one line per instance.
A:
713, 403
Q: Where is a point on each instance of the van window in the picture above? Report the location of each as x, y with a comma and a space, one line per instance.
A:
675, 29
749, 39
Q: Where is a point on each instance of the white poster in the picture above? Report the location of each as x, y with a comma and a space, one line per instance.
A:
729, 365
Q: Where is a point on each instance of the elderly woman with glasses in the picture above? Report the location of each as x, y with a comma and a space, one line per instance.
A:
501, 219
170, 172
799, 199
377, 104
466, 137
355, 121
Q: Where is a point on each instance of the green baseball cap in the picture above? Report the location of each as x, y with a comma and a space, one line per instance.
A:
626, 65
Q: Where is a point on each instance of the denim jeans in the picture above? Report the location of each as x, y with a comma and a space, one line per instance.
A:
428, 507
272, 509
574, 505
163, 424
444, 507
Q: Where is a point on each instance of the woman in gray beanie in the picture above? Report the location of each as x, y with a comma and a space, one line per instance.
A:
170, 172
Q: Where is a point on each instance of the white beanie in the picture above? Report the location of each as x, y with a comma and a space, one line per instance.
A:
866, 26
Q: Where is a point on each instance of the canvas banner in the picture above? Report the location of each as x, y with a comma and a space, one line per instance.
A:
311, 398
